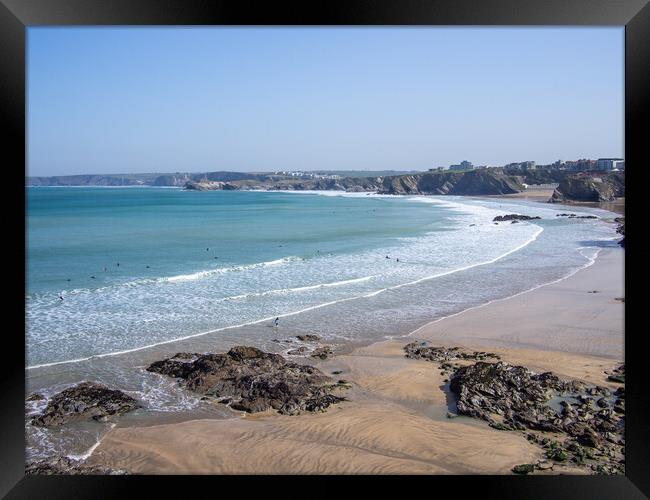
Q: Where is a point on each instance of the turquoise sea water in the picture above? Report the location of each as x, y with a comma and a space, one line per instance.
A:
203, 271
118, 269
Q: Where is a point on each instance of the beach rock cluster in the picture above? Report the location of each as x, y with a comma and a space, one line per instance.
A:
319, 351
511, 397
84, 401
590, 418
618, 374
574, 216
419, 350
252, 380
513, 217
586, 421
322, 352
308, 338
68, 466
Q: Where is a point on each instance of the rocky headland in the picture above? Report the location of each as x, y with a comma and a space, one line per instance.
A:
209, 186
590, 186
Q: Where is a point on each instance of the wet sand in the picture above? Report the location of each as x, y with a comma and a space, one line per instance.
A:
395, 420
543, 195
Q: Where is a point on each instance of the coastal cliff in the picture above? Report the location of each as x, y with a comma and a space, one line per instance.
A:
588, 186
209, 186
592, 186
475, 182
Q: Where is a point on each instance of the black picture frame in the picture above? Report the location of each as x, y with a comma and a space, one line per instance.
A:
17, 15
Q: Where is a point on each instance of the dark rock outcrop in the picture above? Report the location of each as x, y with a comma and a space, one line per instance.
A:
416, 350
323, 352
621, 229
308, 338
487, 390
252, 380
523, 468
618, 375
85, 401
514, 398
68, 466
514, 217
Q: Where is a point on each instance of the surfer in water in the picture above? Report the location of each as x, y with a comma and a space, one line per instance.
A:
61, 296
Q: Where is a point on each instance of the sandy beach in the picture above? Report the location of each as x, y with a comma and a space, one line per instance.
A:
543, 195
396, 418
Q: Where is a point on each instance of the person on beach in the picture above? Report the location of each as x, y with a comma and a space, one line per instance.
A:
276, 322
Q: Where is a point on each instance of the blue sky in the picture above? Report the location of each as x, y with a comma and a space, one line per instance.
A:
121, 100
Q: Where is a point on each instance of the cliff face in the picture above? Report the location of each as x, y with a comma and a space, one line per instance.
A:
593, 186
209, 186
83, 180
171, 180
475, 182
584, 186
484, 182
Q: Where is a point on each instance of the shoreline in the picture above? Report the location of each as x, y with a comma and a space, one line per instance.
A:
317, 306
394, 421
616, 206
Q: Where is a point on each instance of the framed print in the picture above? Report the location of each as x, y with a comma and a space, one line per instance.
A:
339, 239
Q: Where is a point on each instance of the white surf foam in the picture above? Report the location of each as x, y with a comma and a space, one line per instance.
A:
293, 313
296, 289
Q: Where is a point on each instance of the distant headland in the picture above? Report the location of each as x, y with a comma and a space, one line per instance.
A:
581, 180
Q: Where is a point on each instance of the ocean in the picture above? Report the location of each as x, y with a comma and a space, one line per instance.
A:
119, 277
